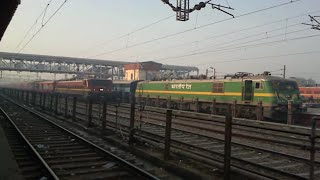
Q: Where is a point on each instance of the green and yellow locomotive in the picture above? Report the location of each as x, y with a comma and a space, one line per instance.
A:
243, 93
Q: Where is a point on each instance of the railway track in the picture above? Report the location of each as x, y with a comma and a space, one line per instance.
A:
241, 131
262, 162
29, 164
249, 158
268, 135
65, 154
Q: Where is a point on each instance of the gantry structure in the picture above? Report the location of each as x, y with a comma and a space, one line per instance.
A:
81, 67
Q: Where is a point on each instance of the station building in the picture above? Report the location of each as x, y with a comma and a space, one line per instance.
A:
142, 71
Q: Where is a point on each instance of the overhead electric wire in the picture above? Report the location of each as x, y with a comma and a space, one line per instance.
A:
308, 72
231, 47
261, 58
134, 31
276, 70
43, 11
233, 32
43, 25
192, 29
265, 57
258, 34
227, 3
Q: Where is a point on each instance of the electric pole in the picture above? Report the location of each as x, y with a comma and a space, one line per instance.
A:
207, 72
284, 71
214, 72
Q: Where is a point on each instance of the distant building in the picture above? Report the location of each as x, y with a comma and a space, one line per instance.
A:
304, 82
142, 71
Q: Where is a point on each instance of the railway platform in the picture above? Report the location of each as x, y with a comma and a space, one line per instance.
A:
9, 169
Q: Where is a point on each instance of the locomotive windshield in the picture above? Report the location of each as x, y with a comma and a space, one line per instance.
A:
99, 82
284, 85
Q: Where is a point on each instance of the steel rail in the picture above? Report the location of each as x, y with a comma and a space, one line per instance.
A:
304, 142
148, 134
238, 159
237, 121
273, 152
220, 119
244, 145
284, 128
220, 139
160, 139
54, 176
124, 162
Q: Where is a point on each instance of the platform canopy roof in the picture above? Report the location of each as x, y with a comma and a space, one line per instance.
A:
7, 10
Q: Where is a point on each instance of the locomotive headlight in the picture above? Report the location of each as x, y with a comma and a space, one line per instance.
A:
101, 89
288, 96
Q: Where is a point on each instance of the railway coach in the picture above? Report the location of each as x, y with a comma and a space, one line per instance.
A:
245, 94
123, 90
310, 93
85, 87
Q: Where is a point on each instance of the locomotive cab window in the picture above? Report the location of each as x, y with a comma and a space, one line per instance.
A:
259, 85
218, 87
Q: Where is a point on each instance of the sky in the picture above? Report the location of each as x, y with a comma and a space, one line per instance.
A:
265, 35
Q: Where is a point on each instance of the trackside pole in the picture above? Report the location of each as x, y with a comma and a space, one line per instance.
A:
259, 112
27, 98
197, 104
56, 104
44, 101
66, 106
167, 138
181, 104
169, 102
90, 113
213, 107
227, 146
22, 95
74, 108
104, 117
33, 101
234, 108
158, 101
51, 102
117, 112
313, 137
290, 120
132, 114
40, 99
